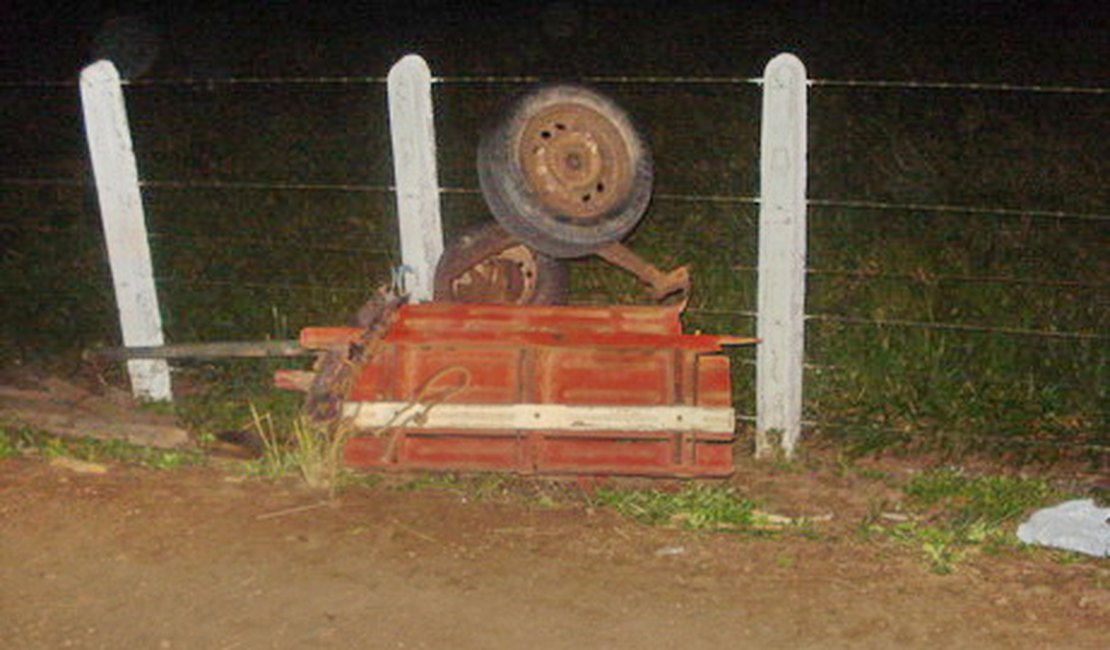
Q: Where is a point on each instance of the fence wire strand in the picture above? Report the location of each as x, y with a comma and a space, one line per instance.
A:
284, 286
956, 327
624, 80
606, 80
930, 278
354, 80
750, 418
879, 84
45, 182
269, 244
661, 196
1007, 440
724, 80
934, 278
959, 209
267, 185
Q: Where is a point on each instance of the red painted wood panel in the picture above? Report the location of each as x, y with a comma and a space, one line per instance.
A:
489, 354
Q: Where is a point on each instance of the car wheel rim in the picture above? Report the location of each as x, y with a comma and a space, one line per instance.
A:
576, 161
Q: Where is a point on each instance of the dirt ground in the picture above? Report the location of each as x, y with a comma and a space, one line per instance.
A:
201, 558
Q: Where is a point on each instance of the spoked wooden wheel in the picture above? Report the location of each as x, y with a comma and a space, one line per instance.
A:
566, 172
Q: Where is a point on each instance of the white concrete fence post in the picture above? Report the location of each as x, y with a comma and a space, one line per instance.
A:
412, 129
782, 256
121, 213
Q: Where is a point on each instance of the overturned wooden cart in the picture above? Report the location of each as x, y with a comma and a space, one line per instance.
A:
524, 385
530, 389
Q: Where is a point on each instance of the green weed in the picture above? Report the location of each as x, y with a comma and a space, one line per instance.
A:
15, 440
968, 502
479, 487
25, 441
695, 507
430, 481
309, 449
225, 394
950, 515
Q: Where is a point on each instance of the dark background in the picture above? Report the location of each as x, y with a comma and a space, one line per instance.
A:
1014, 42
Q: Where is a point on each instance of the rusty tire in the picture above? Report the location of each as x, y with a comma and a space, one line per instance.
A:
487, 264
566, 171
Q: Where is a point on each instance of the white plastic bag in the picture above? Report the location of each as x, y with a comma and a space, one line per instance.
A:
1079, 526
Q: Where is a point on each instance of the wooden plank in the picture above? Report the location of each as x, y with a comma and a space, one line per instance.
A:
540, 417
782, 255
121, 212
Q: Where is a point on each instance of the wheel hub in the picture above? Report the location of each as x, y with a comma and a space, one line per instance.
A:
575, 160
508, 277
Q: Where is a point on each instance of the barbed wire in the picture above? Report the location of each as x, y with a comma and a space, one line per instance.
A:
750, 418
656, 196
905, 323
341, 80
862, 274
33, 84
845, 203
957, 85
811, 367
45, 182
162, 184
663, 196
285, 286
75, 82
878, 84
960, 209
926, 277
715, 198
672, 80
707, 198
270, 244
958, 327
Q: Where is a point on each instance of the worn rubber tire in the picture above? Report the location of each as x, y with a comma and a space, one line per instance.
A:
566, 171
487, 264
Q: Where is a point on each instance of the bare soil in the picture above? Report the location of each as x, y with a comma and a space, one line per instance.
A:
200, 558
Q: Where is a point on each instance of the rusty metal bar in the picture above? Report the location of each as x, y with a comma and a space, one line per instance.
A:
214, 350
662, 283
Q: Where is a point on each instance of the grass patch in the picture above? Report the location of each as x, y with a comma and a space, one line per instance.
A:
968, 501
24, 441
695, 507
309, 449
15, 441
475, 487
226, 393
951, 515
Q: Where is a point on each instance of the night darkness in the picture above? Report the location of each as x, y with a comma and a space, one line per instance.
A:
969, 41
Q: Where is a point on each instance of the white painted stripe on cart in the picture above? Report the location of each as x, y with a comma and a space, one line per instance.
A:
562, 417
